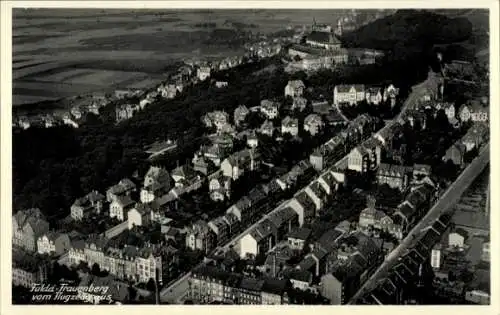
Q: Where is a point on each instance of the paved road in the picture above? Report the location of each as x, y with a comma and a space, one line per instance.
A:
444, 204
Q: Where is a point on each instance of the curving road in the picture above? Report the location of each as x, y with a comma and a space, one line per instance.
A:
444, 204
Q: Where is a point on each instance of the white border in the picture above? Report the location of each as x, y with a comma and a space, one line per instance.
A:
6, 157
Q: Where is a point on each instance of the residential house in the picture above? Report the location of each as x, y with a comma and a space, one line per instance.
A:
374, 95
290, 125
396, 176
267, 128
202, 164
297, 239
200, 237
24, 123
236, 164
345, 278
449, 110
113, 290
252, 140
299, 103
203, 73
414, 117
456, 153
240, 114
285, 220
156, 184
221, 84
27, 226
259, 240
313, 124
250, 291
301, 279
218, 119
358, 160
209, 283
457, 238
316, 260
120, 207
295, 88
304, 206
350, 94
125, 111
184, 175
219, 188
274, 292
124, 187
371, 217
139, 215
328, 153
28, 270
168, 91
221, 230
269, 108
476, 136
232, 222
421, 170
53, 243
318, 194
91, 203
473, 111
391, 93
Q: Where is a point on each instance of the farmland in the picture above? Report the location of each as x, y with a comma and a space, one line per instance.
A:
65, 52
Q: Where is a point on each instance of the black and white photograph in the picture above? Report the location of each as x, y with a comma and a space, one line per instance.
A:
257, 156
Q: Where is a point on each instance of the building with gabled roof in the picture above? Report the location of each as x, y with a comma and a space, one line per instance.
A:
87, 205
295, 88
348, 94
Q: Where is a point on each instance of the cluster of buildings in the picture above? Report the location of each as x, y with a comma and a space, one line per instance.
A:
322, 49
80, 107
355, 93
474, 139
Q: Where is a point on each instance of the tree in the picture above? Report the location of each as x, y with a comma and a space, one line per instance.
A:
96, 269
151, 285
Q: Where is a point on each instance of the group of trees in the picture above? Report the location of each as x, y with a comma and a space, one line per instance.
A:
407, 32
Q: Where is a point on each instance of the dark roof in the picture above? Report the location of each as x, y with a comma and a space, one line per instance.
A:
300, 233
305, 201
275, 286
344, 88
329, 238
252, 284
281, 216
300, 275
406, 210
230, 279
323, 37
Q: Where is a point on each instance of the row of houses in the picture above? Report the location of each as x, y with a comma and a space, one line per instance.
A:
205, 236
81, 106
476, 136
211, 284
355, 93
304, 206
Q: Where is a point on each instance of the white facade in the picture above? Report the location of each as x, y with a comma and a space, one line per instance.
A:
248, 246
456, 240
436, 258
116, 211
134, 218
